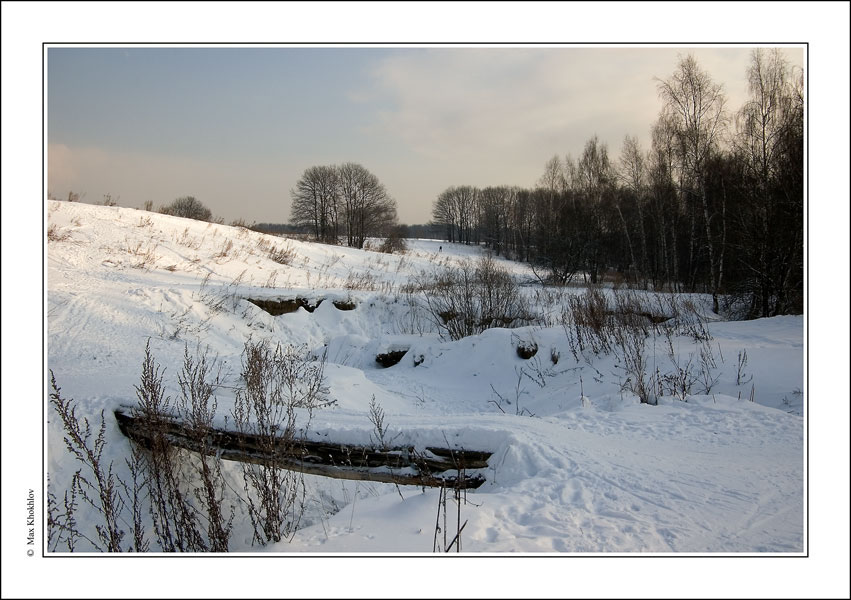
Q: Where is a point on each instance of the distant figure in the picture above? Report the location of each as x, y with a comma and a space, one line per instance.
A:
440, 249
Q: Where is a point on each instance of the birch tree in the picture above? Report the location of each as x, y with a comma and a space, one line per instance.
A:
695, 107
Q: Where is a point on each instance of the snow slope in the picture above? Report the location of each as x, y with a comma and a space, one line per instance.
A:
579, 464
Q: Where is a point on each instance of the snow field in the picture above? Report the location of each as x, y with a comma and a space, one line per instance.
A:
579, 464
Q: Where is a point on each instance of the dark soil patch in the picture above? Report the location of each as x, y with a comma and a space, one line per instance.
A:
527, 350
282, 307
388, 359
655, 319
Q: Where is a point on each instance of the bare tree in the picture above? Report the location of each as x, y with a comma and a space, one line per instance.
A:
316, 202
467, 198
553, 178
665, 209
764, 117
368, 209
445, 213
694, 213
495, 203
597, 179
694, 105
457, 208
594, 169
633, 174
769, 143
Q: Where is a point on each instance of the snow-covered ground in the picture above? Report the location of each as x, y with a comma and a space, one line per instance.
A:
579, 465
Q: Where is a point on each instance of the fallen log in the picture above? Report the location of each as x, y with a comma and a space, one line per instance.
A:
433, 467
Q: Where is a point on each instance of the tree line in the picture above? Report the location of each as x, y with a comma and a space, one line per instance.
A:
715, 205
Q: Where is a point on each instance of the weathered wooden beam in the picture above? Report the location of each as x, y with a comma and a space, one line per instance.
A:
435, 467
466, 459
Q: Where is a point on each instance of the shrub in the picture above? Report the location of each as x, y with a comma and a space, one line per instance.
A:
189, 208
176, 521
277, 382
185, 492
95, 483
395, 241
475, 296
197, 407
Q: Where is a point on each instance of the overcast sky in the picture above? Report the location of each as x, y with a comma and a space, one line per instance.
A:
236, 126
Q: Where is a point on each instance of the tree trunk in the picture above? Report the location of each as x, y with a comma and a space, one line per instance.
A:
713, 281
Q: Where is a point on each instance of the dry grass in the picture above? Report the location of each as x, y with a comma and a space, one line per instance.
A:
189, 242
57, 234
360, 281
224, 251
145, 254
282, 256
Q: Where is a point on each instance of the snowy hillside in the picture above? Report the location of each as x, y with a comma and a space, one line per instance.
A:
579, 463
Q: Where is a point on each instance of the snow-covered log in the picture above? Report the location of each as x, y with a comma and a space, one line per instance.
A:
433, 467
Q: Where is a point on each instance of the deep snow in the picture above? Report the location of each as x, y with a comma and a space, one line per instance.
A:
592, 473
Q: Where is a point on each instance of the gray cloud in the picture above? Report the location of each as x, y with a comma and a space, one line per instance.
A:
451, 102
